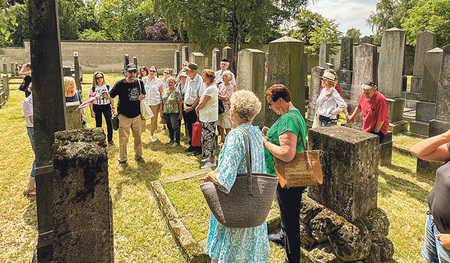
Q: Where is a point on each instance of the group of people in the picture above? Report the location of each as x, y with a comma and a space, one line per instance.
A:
193, 97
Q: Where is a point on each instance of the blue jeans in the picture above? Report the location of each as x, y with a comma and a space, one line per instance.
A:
173, 125
433, 251
324, 121
30, 131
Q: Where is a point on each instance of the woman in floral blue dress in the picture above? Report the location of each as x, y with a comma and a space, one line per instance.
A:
238, 244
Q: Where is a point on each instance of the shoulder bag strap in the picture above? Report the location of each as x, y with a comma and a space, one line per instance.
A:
299, 131
248, 158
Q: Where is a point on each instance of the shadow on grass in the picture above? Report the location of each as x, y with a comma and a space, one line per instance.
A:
399, 184
145, 173
30, 214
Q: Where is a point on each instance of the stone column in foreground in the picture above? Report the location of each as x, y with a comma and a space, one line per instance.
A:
251, 77
350, 170
82, 207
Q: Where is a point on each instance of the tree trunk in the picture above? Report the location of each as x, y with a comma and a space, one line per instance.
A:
236, 26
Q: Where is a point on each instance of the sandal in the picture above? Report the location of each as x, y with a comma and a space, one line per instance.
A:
29, 192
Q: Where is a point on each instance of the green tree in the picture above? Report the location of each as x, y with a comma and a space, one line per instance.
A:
432, 15
354, 34
306, 21
389, 14
206, 22
327, 33
6, 21
125, 20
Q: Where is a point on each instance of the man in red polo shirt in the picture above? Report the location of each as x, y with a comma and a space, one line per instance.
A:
374, 107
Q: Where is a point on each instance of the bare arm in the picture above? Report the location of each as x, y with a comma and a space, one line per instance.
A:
286, 150
203, 101
433, 149
353, 116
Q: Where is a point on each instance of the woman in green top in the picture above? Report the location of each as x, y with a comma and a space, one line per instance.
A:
282, 141
172, 111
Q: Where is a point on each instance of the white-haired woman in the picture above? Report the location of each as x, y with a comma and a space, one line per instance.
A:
238, 244
226, 90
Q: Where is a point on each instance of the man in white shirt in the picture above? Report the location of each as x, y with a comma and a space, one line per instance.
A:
193, 86
224, 64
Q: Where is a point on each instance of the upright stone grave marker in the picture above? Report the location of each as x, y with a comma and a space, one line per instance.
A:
316, 82
367, 40
135, 62
77, 76
251, 77
324, 55
184, 54
390, 72
305, 69
13, 69
285, 63
199, 59
126, 62
425, 41
82, 207
425, 109
350, 166
5, 68
215, 59
176, 63
49, 112
345, 67
441, 121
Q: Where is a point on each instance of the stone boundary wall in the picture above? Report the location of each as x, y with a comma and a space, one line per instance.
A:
108, 56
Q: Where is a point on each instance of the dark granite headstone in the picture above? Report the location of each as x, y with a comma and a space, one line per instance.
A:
184, 54
82, 207
176, 63
350, 169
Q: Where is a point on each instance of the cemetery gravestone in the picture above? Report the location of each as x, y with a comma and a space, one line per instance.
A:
199, 59
184, 54
216, 60
390, 70
367, 40
285, 62
176, 63
346, 66
251, 77
316, 82
324, 55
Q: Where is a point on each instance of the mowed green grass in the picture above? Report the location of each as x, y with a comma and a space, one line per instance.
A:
141, 234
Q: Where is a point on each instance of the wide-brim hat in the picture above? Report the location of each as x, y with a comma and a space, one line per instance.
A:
191, 66
329, 76
183, 74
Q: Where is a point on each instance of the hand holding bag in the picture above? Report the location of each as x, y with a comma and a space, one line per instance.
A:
304, 170
249, 201
146, 112
115, 121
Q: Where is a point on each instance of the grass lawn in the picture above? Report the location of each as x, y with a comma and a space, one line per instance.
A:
141, 234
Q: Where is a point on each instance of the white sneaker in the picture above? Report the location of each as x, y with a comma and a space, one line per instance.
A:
205, 160
209, 165
152, 138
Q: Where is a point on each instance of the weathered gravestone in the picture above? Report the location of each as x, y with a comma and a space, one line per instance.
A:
199, 59
285, 64
251, 77
367, 40
77, 72
342, 215
82, 207
126, 62
316, 82
227, 53
49, 112
425, 41
5, 68
345, 67
441, 121
73, 115
215, 59
184, 54
305, 69
176, 63
390, 70
425, 109
324, 55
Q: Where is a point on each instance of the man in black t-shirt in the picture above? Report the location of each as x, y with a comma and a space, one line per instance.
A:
130, 91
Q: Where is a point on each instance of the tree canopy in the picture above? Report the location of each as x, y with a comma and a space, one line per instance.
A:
354, 34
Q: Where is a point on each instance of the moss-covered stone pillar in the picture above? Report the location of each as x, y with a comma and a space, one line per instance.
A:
350, 170
82, 208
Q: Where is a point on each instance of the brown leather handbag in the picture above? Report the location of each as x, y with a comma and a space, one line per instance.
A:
304, 170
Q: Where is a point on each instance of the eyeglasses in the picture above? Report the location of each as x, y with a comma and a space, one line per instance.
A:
270, 103
98, 77
166, 72
153, 71
132, 71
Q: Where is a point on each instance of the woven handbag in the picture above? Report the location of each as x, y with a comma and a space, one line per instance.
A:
304, 170
249, 200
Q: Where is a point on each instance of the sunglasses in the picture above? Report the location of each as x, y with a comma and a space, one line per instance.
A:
166, 72
98, 77
132, 71
152, 71
270, 103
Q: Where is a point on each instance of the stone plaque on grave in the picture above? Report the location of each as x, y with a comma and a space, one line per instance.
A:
350, 166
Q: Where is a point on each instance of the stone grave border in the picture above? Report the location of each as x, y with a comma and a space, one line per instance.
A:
192, 250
